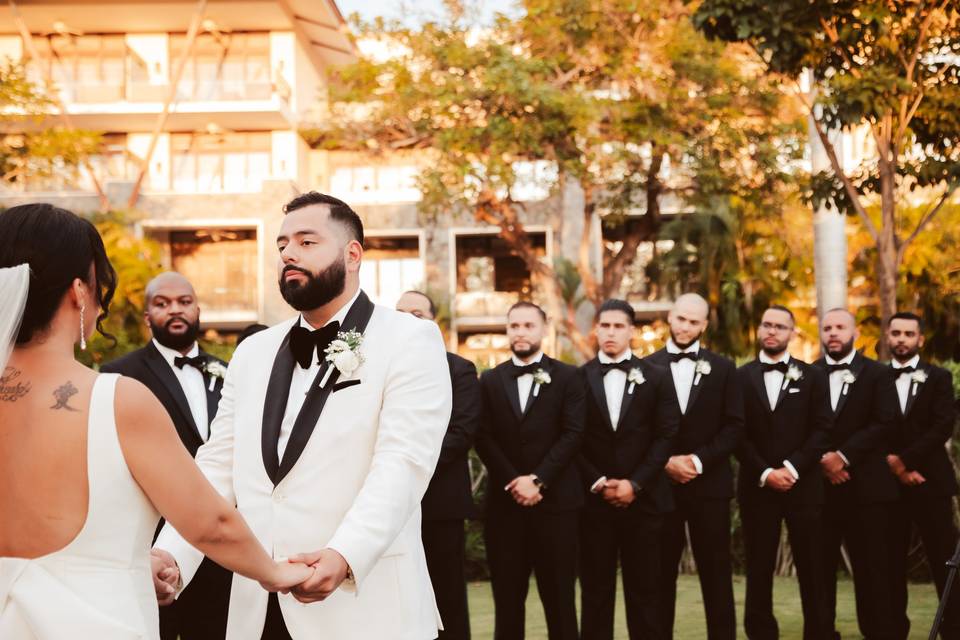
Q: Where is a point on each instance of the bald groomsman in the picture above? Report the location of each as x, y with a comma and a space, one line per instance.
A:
448, 501
187, 381
701, 477
920, 461
860, 489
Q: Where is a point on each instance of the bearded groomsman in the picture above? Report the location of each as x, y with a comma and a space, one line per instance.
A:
632, 419
860, 489
448, 501
530, 433
918, 458
187, 381
787, 418
701, 478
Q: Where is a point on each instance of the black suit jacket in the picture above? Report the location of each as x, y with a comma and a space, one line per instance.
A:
863, 427
798, 430
543, 440
923, 429
712, 426
641, 445
449, 496
148, 366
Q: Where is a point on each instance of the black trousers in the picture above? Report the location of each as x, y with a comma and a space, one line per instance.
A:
761, 538
521, 541
863, 530
933, 518
709, 524
274, 628
200, 613
631, 536
443, 543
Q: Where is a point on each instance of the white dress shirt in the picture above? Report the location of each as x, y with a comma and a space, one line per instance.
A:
613, 384
301, 381
836, 378
773, 381
904, 381
191, 381
683, 373
525, 382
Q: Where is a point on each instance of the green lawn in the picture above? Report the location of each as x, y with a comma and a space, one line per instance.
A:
690, 622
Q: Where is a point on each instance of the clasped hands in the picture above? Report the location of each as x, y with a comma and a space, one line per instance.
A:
833, 468
310, 577
909, 478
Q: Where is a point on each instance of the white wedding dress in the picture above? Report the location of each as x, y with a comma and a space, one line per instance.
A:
98, 587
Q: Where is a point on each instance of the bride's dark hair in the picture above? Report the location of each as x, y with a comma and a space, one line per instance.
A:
59, 246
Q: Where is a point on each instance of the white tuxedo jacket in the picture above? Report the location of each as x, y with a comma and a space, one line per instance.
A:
355, 488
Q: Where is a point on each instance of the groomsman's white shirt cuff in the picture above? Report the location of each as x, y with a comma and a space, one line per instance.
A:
793, 470
697, 464
846, 462
763, 476
598, 485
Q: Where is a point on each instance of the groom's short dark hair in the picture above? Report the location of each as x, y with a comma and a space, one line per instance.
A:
340, 211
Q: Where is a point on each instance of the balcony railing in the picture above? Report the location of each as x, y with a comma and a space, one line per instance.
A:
142, 92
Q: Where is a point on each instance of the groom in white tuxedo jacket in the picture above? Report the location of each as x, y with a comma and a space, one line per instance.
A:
330, 457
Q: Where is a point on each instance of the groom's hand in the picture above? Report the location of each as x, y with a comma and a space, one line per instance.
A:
166, 576
329, 571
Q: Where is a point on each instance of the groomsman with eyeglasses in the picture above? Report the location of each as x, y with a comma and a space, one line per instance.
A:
699, 471
530, 433
860, 490
632, 419
920, 461
787, 429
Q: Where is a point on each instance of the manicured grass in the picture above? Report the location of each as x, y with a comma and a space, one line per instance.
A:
690, 623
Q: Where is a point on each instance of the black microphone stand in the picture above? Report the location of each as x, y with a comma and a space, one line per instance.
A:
952, 564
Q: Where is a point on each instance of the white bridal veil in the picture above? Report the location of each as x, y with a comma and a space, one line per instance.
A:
14, 285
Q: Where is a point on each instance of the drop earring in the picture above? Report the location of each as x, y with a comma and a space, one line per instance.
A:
83, 339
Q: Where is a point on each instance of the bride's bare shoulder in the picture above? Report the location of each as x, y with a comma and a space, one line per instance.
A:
135, 405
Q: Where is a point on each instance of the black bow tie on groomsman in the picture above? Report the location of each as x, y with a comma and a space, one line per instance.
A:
607, 367
304, 343
833, 368
686, 355
197, 362
517, 371
774, 366
903, 371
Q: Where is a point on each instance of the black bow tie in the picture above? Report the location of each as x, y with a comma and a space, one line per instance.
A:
517, 371
607, 367
904, 371
774, 366
686, 355
197, 362
304, 343
833, 368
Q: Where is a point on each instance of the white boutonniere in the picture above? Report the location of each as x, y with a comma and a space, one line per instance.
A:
702, 369
848, 379
344, 355
540, 377
793, 374
635, 377
918, 377
216, 371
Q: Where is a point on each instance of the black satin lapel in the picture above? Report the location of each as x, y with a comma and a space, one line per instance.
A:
165, 374
356, 320
627, 396
595, 379
213, 397
856, 367
756, 377
531, 397
913, 392
274, 406
696, 386
513, 394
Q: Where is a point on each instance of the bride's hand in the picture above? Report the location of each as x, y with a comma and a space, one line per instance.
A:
287, 575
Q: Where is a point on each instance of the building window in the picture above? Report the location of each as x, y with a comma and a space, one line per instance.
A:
86, 68
224, 66
485, 349
225, 162
222, 264
391, 265
490, 277
370, 184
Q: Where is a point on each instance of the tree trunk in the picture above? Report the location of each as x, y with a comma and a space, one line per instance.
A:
888, 258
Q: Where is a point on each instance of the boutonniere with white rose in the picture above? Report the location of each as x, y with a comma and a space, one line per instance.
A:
344, 355
216, 371
540, 378
702, 369
635, 377
793, 375
847, 379
918, 377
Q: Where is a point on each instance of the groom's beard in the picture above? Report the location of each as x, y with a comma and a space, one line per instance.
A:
176, 341
319, 289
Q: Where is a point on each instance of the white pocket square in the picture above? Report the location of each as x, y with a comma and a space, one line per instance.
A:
794, 390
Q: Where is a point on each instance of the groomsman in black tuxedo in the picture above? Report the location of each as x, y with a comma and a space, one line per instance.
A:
530, 433
918, 458
632, 419
449, 499
787, 418
860, 490
187, 381
699, 470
